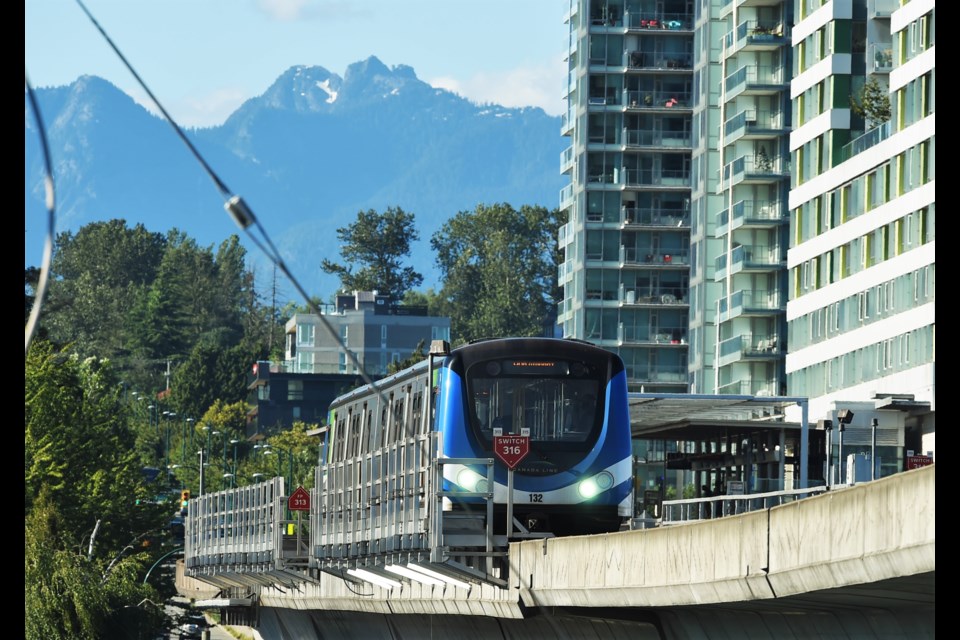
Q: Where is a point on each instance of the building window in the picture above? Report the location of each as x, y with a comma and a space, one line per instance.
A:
296, 413
305, 335
294, 390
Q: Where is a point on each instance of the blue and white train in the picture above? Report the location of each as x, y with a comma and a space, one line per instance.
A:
569, 396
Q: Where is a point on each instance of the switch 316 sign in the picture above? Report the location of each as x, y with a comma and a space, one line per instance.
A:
511, 449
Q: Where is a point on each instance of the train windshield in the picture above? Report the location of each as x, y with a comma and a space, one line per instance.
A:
556, 400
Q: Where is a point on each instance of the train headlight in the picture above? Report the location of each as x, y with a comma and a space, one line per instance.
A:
472, 481
592, 486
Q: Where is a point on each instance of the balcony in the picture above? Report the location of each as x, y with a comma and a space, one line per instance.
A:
754, 124
752, 35
749, 258
657, 100
656, 374
627, 334
871, 138
749, 303
881, 9
759, 169
657, 138
649, 257
751, 214
748, 346
639, 60
637, 217
749, 388
655, 178
755, 79
653, 296
566, 160
658, 21
566, 197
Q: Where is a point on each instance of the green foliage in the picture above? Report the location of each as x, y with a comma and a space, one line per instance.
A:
77, 446
293, 455
377, 242
499, 267
872, 102
80, 467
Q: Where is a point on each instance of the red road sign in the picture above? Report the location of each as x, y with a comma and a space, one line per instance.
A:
915, 462
299, 500
511, 449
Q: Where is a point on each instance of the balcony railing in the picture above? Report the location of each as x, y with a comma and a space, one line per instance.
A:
644, 60
654, 138
653, 178
754, 74
658, 296
658, 20
654, 217
860, 144
656, 100
750, 344
738, 301
650, 256
651, 335
757, 165
753, 119
757, 255
749, 388
656, 374
750, 210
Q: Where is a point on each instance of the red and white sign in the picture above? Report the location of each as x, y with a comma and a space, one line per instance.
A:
915, 462
299, 500
511, 449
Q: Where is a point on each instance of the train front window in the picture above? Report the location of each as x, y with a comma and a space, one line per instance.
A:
557, 401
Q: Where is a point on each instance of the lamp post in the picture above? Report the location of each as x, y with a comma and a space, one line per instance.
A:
874, 424
844, 417
183, 438
828, 427
234, 442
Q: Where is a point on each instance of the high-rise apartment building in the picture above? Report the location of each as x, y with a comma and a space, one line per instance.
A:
626, 266
734, 225
862, 265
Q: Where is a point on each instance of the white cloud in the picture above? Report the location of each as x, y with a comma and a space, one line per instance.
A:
536, 86
284, 10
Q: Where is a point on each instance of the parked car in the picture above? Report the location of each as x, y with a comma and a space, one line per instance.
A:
192, 625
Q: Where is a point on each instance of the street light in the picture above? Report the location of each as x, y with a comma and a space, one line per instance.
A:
844, 416
874, 424
827, 426
234, 442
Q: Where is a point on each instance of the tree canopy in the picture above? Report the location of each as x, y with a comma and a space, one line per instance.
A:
500, 267
377, 242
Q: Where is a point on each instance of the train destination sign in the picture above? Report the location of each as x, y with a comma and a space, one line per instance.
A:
511, 449
299, 500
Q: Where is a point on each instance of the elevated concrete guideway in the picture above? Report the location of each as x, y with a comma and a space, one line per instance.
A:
857, 561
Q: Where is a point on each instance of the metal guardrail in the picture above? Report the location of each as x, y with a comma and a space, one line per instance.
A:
696, 509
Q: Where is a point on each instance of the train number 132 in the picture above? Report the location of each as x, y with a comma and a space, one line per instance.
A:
536, 497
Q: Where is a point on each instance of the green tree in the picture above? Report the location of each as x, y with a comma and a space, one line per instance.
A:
499, 267
82, 483
78, 448
98, 275
378, 242
872, 102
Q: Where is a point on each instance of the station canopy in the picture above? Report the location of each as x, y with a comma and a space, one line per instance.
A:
684, 416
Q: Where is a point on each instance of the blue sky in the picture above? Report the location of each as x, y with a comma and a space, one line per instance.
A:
203, 58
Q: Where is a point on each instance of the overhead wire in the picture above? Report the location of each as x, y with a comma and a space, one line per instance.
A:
41, 288
238, 209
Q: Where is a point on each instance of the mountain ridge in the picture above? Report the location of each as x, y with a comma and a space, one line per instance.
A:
307, 155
